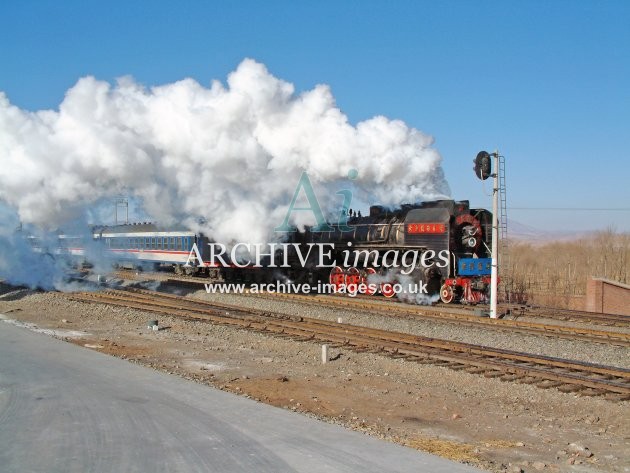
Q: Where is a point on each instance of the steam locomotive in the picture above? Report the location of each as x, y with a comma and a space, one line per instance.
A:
452, 240
442, 245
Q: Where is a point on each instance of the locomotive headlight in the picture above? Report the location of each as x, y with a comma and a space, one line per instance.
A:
470, 242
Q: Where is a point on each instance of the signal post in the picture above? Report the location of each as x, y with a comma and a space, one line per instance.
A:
483, 170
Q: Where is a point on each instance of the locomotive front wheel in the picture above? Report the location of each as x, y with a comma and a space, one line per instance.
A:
447, 294
387, 289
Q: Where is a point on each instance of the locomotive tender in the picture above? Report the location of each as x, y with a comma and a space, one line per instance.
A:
452, 240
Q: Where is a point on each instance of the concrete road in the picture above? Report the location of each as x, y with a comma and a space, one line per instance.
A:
68, 409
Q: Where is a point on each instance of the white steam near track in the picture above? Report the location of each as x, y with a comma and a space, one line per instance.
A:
229, 156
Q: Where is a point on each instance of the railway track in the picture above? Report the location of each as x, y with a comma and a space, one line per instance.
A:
544, 372
448, 314
516, 311
573, 316
459, 318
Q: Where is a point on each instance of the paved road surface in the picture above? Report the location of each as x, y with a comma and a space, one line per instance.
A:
68, 409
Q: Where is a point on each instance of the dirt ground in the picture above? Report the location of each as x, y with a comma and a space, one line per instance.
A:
497, 426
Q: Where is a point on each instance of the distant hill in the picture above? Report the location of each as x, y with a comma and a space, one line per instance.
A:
520, 232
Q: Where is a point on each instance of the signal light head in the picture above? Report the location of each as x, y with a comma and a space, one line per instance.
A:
483, 165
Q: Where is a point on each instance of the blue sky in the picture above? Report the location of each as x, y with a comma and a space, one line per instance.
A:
545, 82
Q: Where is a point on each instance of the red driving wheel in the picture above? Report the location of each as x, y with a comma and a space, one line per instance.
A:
365, 279
337, 277
353, 277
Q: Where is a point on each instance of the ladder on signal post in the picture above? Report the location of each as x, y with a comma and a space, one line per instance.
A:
504, 255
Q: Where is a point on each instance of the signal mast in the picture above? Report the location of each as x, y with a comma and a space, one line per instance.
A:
483, 170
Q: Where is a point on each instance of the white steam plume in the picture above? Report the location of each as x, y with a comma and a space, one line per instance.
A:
231, 155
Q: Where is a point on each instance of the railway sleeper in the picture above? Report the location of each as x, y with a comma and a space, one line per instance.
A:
475, 370
591, 392
510, 377
547, 383
493, 374
617, 396
417, 359
570, 388
530, 380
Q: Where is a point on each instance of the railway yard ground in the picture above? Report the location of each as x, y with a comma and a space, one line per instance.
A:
473, 413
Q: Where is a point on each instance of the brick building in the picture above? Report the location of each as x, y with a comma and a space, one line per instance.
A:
611, 297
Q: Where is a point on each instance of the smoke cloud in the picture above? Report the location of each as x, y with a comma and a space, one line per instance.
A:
223, 159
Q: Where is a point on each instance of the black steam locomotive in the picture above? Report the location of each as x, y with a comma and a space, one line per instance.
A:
443, 245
